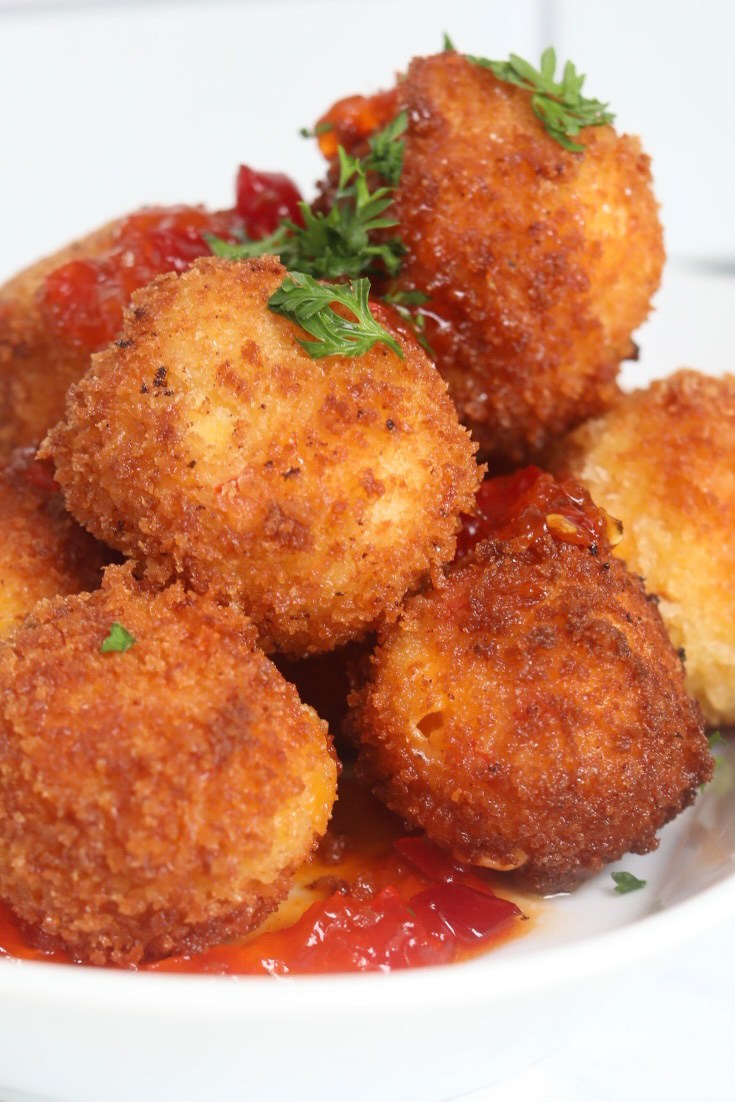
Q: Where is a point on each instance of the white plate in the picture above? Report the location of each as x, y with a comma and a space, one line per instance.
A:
86, 1035
82, 1035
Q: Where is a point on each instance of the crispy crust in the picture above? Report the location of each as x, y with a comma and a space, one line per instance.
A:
36, 367
314, 492
155, 800
540, 263
532, 715
663, 460
43, 551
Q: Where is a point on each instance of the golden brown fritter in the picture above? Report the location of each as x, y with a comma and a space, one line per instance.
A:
663, 460
154, 800
43, 551
531, 714
314, 492
36, 366
539, 262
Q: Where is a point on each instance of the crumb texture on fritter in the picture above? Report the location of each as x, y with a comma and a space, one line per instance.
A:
155, 800
210, 444
531, 715
539, 263
43, 551
36, 366
663, 461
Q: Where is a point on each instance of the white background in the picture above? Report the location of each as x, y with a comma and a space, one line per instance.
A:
106, 106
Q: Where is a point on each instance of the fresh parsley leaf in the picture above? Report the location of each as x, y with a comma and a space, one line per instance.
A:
339, 244
386, 151
406, 298
245, 250
308, 303
119, 639
317, 131
448, 44
716, 739
626, 882
414, 319
559, 105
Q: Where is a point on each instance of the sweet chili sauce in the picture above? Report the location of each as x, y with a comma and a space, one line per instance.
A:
372, 898
531, 503
349, 121
82, 301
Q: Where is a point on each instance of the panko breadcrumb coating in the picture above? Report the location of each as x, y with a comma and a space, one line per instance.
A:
43, 551
663, 460
208, 442
540, 263
531, 714
155, 800
36, 367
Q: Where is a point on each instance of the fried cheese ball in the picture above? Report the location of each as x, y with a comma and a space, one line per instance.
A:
208, 442
55, 313
539, 263
531, 714
156, 799
663, 460
43, 551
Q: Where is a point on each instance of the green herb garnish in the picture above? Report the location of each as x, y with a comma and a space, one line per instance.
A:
560, 106
716, 739
338, 244
301, 299
386, 151
118, 640
317, 131
414, 319
625, 882
447, 43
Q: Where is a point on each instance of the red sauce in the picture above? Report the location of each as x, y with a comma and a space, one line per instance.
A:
264, 199
531, 503
82, 302
371, 899
351, 120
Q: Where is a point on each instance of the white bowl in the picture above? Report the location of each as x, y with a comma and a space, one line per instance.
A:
86, 1035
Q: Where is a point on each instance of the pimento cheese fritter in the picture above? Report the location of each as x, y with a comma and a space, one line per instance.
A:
43, 551
157, 799
539, 263
663, 460
207, 442
531, 715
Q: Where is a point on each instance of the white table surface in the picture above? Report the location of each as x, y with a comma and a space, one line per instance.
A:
670, 1035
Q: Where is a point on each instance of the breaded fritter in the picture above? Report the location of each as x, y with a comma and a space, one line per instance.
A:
531, 714
313, 492
43, 551
54, 314
155, 800
663, 460
539, 262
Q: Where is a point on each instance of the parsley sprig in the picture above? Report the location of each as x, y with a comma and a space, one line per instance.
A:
308, 303
560, 105
339, 243
415, 319
625, 882
118, 640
